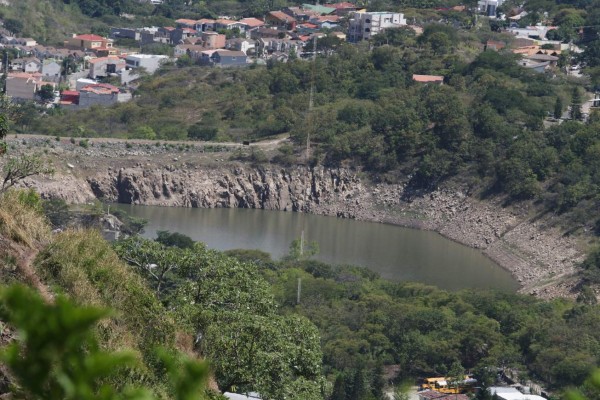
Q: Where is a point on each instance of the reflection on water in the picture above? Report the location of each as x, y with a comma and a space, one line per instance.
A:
396, 253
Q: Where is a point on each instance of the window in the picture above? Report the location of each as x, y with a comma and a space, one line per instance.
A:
367, 30
368, 21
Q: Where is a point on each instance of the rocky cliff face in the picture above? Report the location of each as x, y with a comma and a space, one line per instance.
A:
298, 189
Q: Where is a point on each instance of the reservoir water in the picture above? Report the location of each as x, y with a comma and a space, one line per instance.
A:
396, 253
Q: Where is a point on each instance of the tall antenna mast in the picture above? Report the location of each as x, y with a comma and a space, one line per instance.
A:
311, 96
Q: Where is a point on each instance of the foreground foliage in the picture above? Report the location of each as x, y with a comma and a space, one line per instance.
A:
57, 356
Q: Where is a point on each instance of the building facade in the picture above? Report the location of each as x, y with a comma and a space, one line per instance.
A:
364, 25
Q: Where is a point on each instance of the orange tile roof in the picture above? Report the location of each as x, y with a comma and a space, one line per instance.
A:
252, 22
280, 15
185, 21
428, 78
89, 37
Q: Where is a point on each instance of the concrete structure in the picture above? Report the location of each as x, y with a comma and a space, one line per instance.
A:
104, 66
223, 58
489, 7
83, 82
434, 395
510, 393
51, 69
280, 20
150, 62
98, 94
89, 42
364, 25
240, 44
213, 40
125, 33
23, 85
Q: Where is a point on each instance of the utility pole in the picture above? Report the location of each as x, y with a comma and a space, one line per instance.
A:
311, 95
299, 290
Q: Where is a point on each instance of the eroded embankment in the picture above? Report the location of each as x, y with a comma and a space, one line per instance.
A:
540, 257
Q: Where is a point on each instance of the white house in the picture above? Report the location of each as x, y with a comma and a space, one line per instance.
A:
364, 25
150, 62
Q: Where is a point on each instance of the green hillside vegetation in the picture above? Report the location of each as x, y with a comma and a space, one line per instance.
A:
239, 309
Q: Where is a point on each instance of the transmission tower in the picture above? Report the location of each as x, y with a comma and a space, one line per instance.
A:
311, 95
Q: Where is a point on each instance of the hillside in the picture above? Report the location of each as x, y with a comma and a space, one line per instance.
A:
240, 310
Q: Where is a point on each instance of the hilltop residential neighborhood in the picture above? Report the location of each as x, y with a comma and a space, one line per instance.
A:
223, 42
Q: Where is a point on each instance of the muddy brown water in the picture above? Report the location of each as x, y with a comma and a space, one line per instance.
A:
396, 253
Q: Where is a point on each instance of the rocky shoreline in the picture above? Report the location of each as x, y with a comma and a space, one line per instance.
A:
540, 257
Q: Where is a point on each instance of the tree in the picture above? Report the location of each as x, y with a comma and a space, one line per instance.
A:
46, 93
155, 261
301, 249
576, 104
14, 26
174, 239
558, 108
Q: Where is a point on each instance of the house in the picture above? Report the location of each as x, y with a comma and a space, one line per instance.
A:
204, 24
83, 82
213, 40
179, 35
69, 98
268, 46
189, 49
125, 33
32, 64
104, 66
98, 94
260, 33
326, 21
494, 45
319, 9
280, 20
489, 7
435, 79
343, 8
228, 24
26, 64
29, 42
228, 58
186, 23
89, 42
364, 25
51, 69
23, 85
240, 44
553, 60
434, 395
150, 62
300, 14
511, 393
251, 24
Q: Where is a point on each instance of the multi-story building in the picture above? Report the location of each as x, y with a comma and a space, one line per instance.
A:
364, 25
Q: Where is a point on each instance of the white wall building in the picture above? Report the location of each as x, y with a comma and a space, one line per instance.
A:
489, 7
149, 62
364, 25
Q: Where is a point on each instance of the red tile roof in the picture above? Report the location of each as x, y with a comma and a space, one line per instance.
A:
185, 21
252, 22
280, 15
89, 37
100, 88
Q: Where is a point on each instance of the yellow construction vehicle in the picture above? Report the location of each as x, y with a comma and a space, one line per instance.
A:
446, 385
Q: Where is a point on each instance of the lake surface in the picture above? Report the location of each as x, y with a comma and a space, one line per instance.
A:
397, 253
